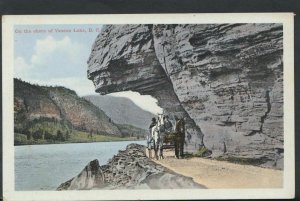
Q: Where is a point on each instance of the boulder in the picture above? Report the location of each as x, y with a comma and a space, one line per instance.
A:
129, 169
90, 177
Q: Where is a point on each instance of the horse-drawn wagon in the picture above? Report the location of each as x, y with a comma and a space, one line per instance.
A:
161, 136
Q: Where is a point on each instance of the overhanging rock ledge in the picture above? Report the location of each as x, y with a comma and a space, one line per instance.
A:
226, 79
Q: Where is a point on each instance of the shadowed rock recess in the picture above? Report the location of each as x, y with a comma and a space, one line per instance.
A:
226, 79
129, 169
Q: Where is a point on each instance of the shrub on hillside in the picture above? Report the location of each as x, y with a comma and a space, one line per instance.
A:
60, 136
37, 135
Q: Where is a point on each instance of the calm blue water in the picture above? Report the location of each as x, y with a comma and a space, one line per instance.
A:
45, 167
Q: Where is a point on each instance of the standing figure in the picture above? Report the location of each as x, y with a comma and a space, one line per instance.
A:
150, 137
179, 137
168, 125
168, 130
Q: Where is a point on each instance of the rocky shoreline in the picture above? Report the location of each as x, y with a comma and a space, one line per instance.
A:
129, 169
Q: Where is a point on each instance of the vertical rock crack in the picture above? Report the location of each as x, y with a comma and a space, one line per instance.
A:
263, 118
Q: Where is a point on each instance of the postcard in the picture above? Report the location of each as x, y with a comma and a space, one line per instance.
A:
148, 106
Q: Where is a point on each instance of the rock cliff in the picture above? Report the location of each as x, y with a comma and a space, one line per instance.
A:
226, 79
129, 169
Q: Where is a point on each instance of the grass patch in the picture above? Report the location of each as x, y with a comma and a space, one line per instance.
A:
21, 139
203, 152
80, 136
242, 161
75, 137
188, 155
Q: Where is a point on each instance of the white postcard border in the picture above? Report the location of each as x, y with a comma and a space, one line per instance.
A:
288, 189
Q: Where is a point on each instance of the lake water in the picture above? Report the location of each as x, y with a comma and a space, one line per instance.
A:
45, 167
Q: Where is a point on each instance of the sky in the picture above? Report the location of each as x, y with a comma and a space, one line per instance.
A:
46, 56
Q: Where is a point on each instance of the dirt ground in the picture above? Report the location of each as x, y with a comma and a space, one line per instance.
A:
222, 174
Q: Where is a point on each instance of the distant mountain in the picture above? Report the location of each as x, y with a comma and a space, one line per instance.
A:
122, 110
55, 113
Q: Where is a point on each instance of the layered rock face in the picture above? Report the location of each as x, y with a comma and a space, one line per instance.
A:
227, 79
123, 58
129, 169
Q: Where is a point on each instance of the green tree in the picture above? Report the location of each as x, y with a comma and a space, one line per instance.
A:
59, 136
37, 134
67, 135
29, 135
91, 134
48, 136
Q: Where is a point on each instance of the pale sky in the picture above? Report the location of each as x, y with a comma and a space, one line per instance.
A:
56, 58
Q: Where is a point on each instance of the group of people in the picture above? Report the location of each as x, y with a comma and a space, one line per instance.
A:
168, 134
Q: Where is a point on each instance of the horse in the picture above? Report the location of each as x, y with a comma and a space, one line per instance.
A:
158, 136
159, 132
153, 138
